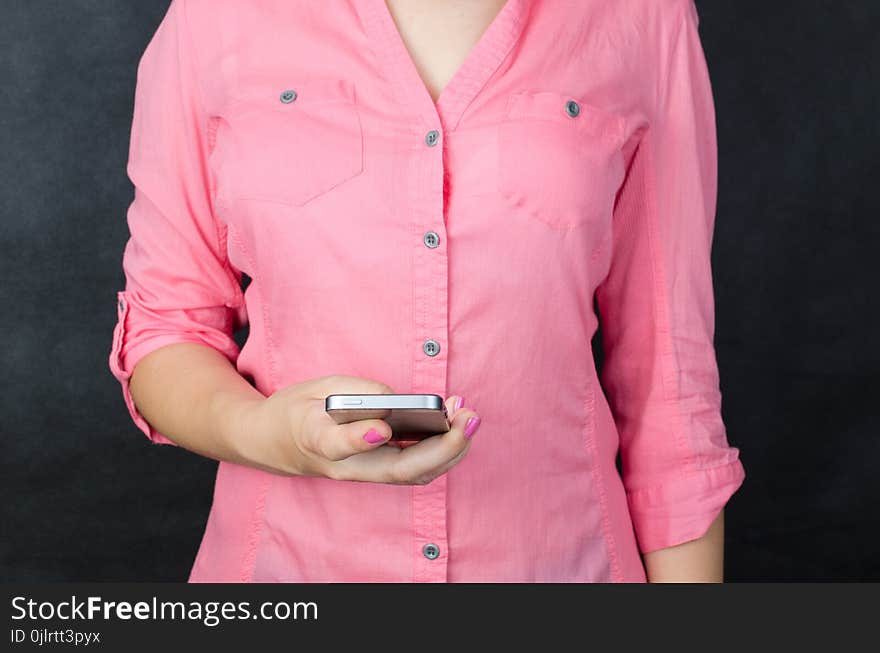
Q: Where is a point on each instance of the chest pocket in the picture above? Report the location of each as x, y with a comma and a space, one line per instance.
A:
559, 158
288, 141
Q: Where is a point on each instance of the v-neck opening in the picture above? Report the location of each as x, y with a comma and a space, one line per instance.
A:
458, 69
469, 77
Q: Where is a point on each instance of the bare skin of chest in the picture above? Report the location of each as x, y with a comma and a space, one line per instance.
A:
440, 33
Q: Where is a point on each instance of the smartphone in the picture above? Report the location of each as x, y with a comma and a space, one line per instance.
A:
412, 417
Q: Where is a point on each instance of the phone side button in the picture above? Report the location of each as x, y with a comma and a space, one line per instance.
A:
353, 402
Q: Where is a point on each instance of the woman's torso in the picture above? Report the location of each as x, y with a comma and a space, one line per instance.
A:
441, 247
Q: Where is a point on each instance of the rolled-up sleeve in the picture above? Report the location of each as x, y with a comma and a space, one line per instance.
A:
179, 284
656, 307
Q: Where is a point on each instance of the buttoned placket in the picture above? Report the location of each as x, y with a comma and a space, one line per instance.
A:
422, 184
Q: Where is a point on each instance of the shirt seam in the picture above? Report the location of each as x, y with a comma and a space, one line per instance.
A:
660, 315
663, 78
258, 521
657, 266
237, 297
599, 483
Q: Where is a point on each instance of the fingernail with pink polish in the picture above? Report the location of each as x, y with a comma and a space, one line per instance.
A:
459, 403
471, 426
373, 436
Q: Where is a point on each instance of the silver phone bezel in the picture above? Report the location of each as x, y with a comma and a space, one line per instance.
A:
383, 401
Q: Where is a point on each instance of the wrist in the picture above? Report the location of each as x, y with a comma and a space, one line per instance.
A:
258, 437
241, 429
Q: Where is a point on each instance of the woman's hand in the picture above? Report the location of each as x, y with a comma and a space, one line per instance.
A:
301, 439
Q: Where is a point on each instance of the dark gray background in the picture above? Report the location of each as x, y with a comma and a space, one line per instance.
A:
86, 497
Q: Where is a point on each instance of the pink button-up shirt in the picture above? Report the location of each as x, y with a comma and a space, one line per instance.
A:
566, 174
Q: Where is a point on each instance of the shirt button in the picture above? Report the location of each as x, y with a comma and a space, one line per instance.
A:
432, 239
121, 305
288, 96
431, 551
431, 137
572, 108
431, 347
